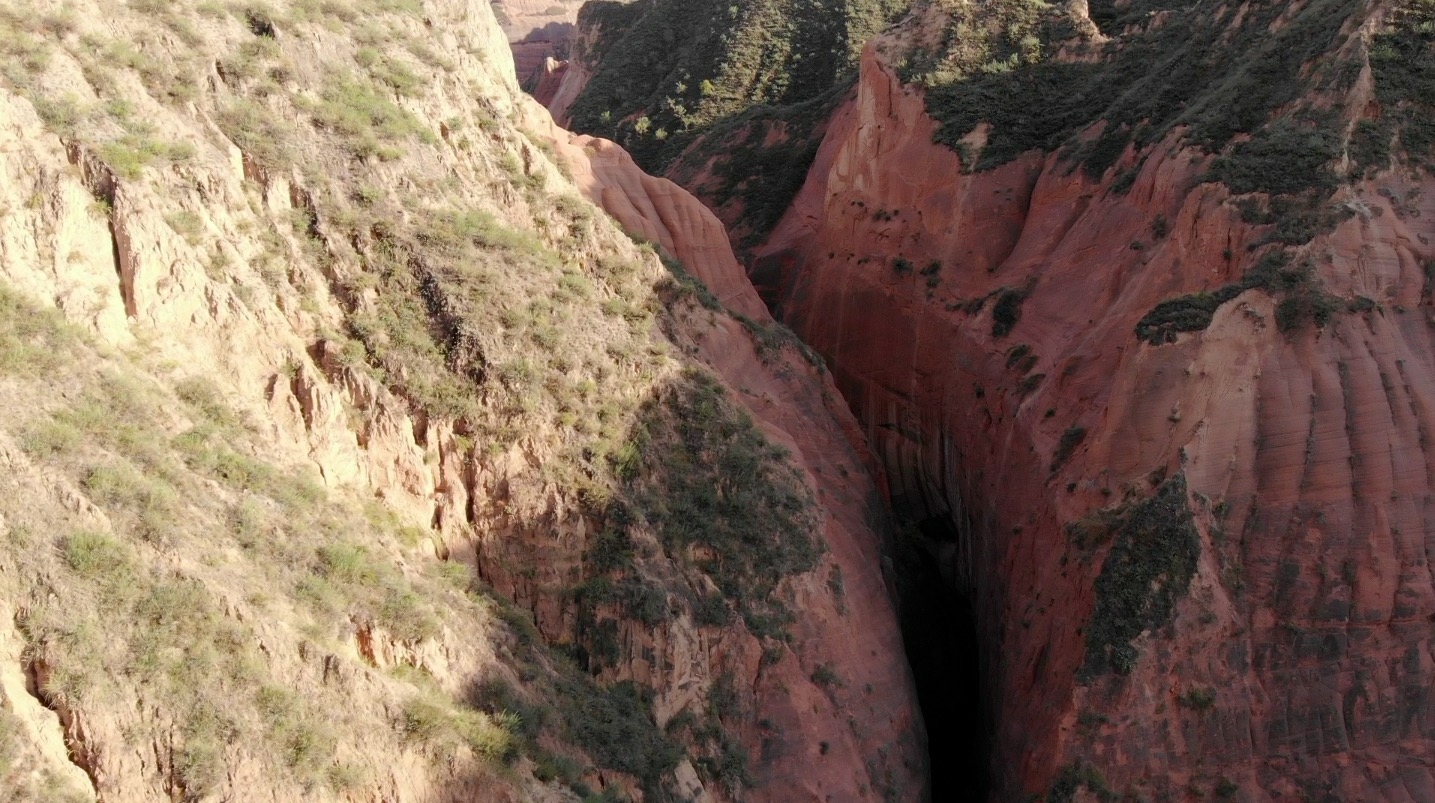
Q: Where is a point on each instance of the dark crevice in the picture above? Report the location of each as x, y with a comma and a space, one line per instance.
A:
76, 750
940, 632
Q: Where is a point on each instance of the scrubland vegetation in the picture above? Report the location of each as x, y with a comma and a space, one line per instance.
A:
167, 552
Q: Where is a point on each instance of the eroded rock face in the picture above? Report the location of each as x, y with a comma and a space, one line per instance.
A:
252, 299
983, 329
820, 739
536, 20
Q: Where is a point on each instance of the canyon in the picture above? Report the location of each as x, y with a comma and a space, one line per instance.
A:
1167, 454
863, 401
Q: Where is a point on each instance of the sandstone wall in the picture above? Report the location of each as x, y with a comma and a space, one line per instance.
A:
1305, 452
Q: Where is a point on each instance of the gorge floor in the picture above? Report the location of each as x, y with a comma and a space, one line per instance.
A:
939, 629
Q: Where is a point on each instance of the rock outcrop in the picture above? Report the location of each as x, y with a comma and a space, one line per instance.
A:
870, 711
1258, 627
306, 332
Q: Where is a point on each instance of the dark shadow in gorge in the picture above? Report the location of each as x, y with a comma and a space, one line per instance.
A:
940, 633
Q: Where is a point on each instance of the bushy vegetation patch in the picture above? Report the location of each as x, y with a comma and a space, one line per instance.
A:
1404, 72
1075, 777
1302, 301
615, 726
1188, 313
1147, 570
722, 499
33, 341
1161, 68
1070, 439
1007, 310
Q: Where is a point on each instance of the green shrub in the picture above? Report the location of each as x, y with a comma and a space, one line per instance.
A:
204, 398
348, 564
711, 484
1150, 565
96, 556
1198, 699
62, 115
1021, 358
933, 274
824, 675
1029, 384
259, 132
1287, 157
33, 340
1188, 313
129, 155
1295, 310
152, 503
711, 610
1076, 776
1301, 301
51, 438
369, 124
435, 722
614, 726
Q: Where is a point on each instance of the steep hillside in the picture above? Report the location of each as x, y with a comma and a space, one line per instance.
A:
727, 99
1138, 297
351, 453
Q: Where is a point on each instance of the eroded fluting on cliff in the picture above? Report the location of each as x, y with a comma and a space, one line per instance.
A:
1194, 526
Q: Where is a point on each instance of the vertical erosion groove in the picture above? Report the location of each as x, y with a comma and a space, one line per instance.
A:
939, 629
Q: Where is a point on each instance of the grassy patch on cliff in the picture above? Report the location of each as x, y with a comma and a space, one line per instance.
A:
612, 723
1154, 547
724, 499
1301, 300
1404, 73
1162, 69
728, 510
189, 552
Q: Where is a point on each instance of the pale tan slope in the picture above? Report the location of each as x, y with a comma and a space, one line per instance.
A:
209, 242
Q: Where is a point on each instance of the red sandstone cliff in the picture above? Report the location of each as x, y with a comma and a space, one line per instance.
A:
818, 741
1298, 663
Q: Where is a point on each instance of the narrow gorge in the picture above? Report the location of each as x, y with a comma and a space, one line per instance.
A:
1131, 301
682, 400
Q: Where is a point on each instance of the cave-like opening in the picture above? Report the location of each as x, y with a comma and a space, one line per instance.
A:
939, 630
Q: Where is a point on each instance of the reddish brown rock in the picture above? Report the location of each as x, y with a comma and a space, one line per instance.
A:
531, 62
1305, 453
861, 736
549, 80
